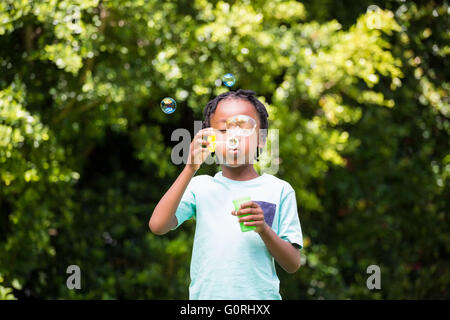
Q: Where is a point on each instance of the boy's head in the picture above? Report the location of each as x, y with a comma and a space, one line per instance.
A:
226, 106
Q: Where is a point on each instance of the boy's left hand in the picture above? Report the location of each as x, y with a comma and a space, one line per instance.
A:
256, 214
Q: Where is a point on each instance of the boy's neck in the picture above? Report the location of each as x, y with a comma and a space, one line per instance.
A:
241, 173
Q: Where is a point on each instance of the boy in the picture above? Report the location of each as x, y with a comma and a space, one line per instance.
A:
227, 263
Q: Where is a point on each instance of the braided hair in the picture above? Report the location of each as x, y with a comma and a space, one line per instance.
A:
248, 95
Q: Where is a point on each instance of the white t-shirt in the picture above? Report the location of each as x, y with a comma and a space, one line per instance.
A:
226, 263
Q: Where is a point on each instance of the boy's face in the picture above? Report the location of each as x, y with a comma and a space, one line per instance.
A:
245, 152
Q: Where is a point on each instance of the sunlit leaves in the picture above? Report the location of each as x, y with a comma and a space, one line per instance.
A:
83, 142
63, 56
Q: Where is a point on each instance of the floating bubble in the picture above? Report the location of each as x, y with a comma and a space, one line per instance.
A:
241, 125
228, 80
168, 105
373, 8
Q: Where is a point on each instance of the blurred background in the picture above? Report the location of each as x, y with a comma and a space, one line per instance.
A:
357, 89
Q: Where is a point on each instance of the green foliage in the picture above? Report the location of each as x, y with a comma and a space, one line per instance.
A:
6, 293
360, 99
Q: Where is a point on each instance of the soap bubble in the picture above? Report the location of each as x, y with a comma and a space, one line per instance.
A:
168, 105
228, 80
241, 125
373, 8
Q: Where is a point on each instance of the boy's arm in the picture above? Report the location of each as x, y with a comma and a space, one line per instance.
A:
287, 256
163, 218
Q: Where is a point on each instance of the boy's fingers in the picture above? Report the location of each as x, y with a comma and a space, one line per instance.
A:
251, 218
200, 154
249, 204
200, 142
252, 223
244, 211
204, 133
204, 144
249, 210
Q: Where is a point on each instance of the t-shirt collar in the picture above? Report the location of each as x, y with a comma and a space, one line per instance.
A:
256, 180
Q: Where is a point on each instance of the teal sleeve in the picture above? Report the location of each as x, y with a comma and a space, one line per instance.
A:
289, 228
187, 207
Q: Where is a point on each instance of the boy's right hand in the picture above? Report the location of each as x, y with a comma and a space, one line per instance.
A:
198, 151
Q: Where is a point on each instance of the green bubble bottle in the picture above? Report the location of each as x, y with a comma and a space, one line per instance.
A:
237, 203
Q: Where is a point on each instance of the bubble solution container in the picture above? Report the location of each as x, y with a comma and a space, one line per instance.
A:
237, 203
